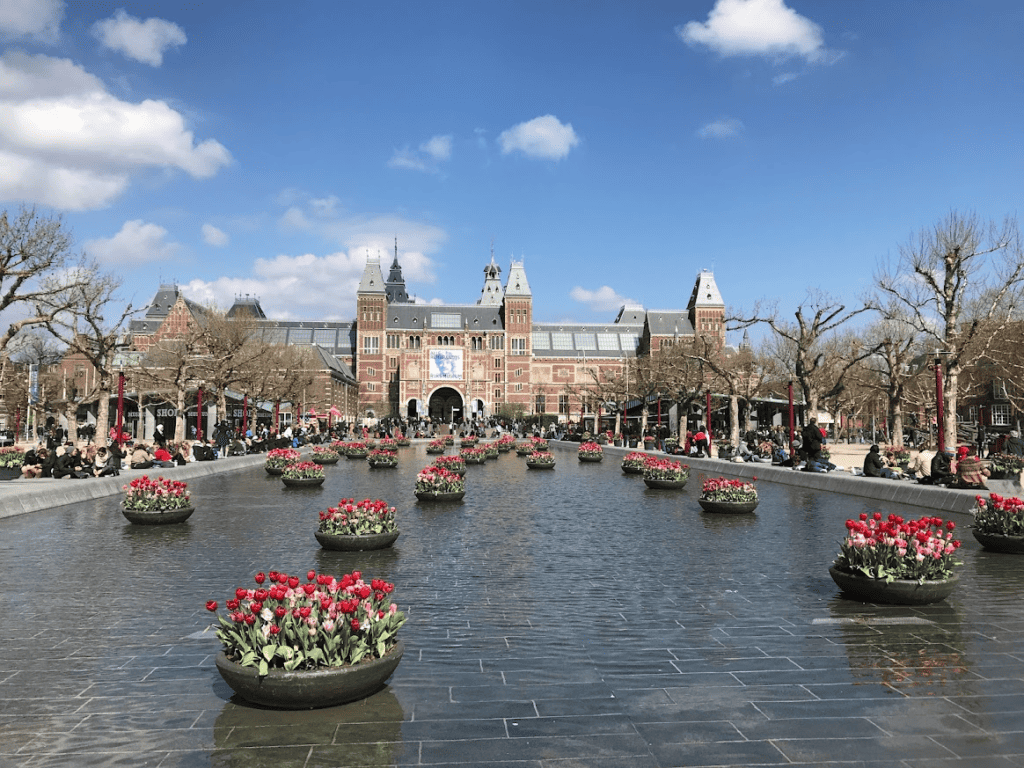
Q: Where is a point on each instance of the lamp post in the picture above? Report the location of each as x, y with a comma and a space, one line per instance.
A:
245, 414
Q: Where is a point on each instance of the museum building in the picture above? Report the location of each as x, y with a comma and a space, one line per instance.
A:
451, 362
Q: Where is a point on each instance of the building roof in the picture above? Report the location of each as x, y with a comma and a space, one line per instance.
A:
517, 284
373, 277
335, 338
630, 313
669, 322
159, 307
585, 340
444, 317
338, 369
705, 291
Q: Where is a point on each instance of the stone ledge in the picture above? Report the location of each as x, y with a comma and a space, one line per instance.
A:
18, 497
931, 498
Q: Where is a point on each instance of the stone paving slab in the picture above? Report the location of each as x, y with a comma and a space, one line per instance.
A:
562, 619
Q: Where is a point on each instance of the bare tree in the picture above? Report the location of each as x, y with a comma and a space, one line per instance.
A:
804, 347
172, 366
91, 322
37, 269
960, 284
741, 376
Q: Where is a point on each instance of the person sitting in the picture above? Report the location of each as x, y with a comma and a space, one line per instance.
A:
874, 465
942, 468
971, 472
162, 457
183, 454
1013, 444
140, 457
68, 464
921, 467
203, 452
102, 464
237, 448
32, 466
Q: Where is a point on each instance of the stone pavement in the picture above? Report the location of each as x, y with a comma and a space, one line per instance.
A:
556, 619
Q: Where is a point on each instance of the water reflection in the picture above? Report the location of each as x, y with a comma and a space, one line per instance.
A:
365, 733
919, 651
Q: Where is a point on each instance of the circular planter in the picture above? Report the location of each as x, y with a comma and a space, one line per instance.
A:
524, 451
326, 459
474, 460
727, 507
403, 443
382, 464
357, 455
10, 473
347, 543
540, 464
896, 592
632, 470
998, 542
276, 471
435, 451
152, 517
665, 485
310, 689
435, 496
302, 482
590, 459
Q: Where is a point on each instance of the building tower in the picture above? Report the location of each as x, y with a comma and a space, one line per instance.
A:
395, 285
706, 308
371, 313
517, 312
492, 292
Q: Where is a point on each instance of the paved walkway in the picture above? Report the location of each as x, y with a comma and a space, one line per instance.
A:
556, 619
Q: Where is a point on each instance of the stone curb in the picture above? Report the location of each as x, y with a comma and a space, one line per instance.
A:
18, 497
932, 498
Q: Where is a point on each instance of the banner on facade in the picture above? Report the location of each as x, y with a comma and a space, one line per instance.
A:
33, 384
446, 365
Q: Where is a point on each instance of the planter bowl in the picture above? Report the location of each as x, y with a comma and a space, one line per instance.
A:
727, 507
632, 470
998, 542
275, 471
590, 459
382, 464
148, 517
10, 473
540, 464
357, 455
436, 496
362, 543
665, 485
326, 459
302, 482
897, 592
310, 689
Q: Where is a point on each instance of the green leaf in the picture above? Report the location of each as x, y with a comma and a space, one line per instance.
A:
264, 669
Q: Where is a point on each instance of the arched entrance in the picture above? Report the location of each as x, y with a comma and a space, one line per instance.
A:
445, 406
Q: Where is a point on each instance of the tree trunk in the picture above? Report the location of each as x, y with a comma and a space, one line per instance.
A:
949, 398
734, 419
103, 412
179, 419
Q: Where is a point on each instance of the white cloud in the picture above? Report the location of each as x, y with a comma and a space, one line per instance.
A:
68, 143
138, 242
543, 137
36, 19
426, 158
143, 41
784, 78
758, 28
214, 236
604, 299
324, 286
721, 129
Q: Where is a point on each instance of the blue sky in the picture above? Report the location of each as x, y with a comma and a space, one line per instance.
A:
617, 148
